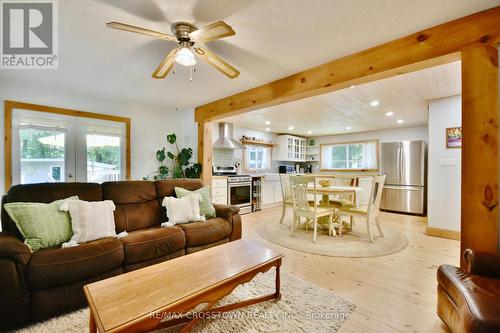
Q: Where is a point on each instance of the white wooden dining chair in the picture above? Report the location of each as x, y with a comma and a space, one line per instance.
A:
369, 212
286, 192
303, 208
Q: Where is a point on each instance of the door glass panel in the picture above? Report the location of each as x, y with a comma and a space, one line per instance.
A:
42, 155
103, 158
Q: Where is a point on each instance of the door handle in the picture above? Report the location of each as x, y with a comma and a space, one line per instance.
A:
70, 175
406, 188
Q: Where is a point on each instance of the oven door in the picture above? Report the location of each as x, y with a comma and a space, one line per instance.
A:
240, 194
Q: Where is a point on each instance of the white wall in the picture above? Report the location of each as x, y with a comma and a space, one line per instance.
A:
150, 124
444, 179
188, 133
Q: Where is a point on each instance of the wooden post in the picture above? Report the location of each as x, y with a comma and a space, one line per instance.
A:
205, 151
480, 160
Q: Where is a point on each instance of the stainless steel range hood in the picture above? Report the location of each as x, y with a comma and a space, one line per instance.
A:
226, 140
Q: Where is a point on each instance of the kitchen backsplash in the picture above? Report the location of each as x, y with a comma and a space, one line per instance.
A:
225, 157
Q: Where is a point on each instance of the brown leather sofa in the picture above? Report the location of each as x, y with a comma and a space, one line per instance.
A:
35, 286
469, 301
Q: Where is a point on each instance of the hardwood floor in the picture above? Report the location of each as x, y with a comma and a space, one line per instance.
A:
395, 293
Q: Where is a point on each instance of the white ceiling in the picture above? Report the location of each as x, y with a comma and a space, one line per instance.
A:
350, 110
273, 39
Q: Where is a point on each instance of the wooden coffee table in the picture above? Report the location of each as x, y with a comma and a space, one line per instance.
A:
159, 296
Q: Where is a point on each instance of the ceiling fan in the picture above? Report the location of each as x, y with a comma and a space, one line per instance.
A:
187, 36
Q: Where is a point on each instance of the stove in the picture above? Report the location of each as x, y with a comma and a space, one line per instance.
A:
239, 191
239, 178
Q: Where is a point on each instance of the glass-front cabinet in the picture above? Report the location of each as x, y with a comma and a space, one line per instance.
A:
290, 148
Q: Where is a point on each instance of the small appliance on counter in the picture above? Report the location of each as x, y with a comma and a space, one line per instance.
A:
218, 170
286, 168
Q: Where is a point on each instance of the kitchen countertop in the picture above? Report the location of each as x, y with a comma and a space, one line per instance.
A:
276, 175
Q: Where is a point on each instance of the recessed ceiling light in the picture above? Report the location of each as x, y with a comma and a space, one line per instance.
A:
352, 87
348, 128
290, 128
389, 114
400, 121
374, 103
309, 132
268, 129
268, 122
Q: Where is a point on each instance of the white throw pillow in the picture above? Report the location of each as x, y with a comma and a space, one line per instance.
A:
90, 220
183, 210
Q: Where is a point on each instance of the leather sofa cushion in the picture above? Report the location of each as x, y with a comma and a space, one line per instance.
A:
475, 296
166, 188
137, 206
46, 193
60, 266
202, 233
143, 245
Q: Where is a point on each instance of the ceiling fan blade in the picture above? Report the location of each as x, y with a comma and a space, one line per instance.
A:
211, 32
166, 65
142, 31
217, 62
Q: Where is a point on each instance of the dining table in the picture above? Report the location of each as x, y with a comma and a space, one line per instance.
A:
350, 192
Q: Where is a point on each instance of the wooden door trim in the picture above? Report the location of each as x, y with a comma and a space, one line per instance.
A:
10, 105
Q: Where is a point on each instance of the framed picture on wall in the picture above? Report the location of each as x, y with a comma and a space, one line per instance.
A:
454, 137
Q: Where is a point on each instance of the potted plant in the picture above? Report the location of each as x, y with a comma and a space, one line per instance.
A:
180, 167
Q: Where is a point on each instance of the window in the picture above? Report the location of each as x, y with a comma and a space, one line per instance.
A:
48, 147
258, 158
350, 156
103, 158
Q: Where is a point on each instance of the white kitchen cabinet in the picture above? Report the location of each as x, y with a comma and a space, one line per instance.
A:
278, 195
219, 190
271, 191
267, 193
290, 148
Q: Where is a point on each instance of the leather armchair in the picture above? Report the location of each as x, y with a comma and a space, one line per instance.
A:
482, 263
468, 300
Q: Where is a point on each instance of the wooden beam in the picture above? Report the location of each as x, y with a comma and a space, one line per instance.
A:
205, 151
480, 160
437, 45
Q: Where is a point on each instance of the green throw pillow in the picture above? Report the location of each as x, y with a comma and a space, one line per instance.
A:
206, 207
41, 225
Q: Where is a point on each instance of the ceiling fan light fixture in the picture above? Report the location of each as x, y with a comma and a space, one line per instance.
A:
185, 57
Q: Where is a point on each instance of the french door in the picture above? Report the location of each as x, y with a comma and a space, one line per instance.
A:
49, 147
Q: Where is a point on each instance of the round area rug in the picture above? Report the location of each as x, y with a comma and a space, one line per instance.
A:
353, 244
303, 307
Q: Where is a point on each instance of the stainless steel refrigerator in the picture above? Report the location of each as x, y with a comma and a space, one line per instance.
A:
405, 166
